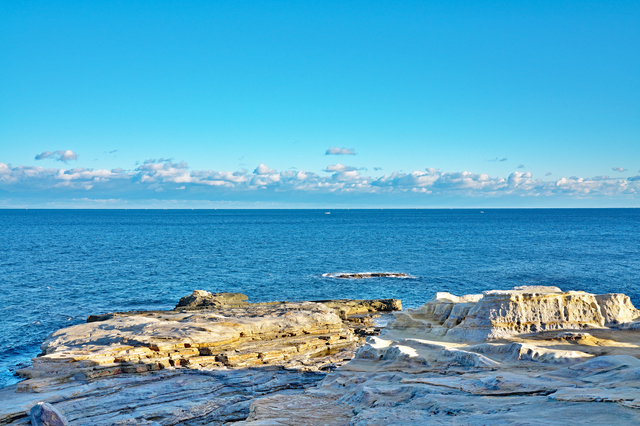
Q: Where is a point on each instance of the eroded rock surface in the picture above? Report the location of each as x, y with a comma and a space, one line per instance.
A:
204, 299
202, 363
495, 314
530, 356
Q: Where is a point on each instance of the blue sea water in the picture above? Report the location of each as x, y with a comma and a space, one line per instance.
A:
59, 266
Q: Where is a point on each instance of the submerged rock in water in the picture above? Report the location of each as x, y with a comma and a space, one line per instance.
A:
362, 275
532, 355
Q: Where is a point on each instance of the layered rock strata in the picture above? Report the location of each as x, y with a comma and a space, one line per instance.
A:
216, 340
529, 356
187, 397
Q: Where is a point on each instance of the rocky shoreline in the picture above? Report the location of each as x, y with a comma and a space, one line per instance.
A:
532, 355
235, 350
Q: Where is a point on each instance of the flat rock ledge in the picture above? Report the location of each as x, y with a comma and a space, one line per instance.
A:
202, 363
528, 356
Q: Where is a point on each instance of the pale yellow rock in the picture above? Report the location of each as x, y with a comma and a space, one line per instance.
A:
529, 356
616, 309
497, 314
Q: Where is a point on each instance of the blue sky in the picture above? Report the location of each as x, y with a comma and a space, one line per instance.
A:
445, 104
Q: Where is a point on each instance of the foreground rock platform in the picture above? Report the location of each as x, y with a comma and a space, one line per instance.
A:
202, 363
529, 356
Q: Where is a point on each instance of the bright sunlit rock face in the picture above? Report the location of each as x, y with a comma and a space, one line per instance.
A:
496, 314
531, 355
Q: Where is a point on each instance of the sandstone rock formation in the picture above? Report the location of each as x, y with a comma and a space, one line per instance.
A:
361, 311
207, 359
189, 397
203, 299
529, 356
495, 314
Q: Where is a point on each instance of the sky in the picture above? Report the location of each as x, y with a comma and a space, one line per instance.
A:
309, 104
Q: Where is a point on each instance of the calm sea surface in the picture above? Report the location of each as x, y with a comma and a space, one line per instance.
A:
59, 266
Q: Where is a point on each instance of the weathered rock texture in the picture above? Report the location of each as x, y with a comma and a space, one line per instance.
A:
497, 314
168, 397
203, 299
530, 356
44, 414
183, 366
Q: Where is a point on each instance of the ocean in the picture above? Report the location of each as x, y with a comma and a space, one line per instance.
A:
59, 266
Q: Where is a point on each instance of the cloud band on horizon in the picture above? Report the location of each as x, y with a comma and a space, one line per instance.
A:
167, 176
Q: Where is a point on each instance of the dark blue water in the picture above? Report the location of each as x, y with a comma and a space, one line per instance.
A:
59, 266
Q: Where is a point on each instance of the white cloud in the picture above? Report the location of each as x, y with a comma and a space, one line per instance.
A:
59, 155
518, 178
339, 168
347, 176
619, 169
163, 170
548, 174
402, 180
84, 174
264, 170
340, 151
167, 176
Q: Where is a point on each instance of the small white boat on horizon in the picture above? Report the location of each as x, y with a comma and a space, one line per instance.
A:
327, 212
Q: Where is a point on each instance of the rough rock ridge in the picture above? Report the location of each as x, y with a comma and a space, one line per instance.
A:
495, 314
529, 356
